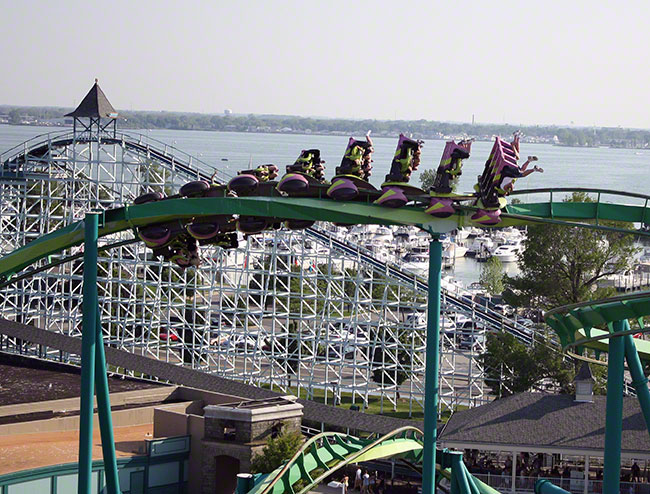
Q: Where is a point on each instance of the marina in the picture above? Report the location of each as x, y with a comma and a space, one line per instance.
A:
346, 299
311, 257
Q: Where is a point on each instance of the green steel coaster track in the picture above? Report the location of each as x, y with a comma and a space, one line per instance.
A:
325, 453
603, 325
95, 225
584, 215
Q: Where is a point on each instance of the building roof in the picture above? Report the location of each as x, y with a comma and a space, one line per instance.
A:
534, 420
312, 411
28, 380
95, 104
584, 374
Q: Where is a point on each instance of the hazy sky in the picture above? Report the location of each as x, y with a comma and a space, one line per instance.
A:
585, 62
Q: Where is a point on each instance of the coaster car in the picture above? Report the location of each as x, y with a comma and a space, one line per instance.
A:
247, 181
207, 227
307, 170
395, 189
354, 171
490, 199
442, 192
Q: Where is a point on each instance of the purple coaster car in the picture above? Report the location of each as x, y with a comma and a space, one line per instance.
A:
487, 216
155, 235
298, 224
292, 183
243, 184
203, 231
196, 188
392, 197
208, 227
342, 189
251, 225
440, 207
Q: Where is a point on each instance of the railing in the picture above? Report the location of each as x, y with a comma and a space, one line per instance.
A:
566, 190
503, 484
35, 141
141, 141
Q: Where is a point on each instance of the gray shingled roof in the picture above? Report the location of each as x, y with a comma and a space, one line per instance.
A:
537, 419
315, 412
584, 374
95, 104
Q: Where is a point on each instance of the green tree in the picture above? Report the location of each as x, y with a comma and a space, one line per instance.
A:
562, 265
427, 177
277, 451
491, 277
14, 116
512, 367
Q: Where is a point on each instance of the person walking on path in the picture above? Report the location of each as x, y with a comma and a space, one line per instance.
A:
357, 478
345, 482
365, 486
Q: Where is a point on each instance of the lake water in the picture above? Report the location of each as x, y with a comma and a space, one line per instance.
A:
618, 169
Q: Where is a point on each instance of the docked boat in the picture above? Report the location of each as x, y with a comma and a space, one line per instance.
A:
416, 263
452, 250
482, 243
507, 252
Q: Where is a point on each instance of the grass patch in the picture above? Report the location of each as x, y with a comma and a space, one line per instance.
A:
374, 404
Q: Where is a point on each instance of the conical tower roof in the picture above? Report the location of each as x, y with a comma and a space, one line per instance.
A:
584, 374
95, 104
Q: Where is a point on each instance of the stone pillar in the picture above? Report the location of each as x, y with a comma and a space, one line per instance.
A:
235, 433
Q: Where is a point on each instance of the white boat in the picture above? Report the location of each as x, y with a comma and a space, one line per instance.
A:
452, 250
463, 233
480, 244
507, 252
416, 263
475, 289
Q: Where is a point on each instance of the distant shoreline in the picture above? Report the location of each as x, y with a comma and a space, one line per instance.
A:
330, 133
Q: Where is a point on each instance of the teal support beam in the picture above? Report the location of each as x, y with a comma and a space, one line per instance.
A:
244, 483
431, 373
459, 484
614, 412
104, 412
473, 488
88, 338
544, 486
639, 381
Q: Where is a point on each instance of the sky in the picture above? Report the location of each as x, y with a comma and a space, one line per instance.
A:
575, 62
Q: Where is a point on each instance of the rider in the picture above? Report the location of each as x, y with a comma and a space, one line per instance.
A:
357, 159
264, 173
406, 160
451, 169
510, 175
309, 163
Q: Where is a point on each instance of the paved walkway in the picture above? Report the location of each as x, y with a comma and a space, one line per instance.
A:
323, 489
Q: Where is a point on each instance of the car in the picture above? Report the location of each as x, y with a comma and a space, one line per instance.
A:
469, 341
344, 350
165, 336
527, 323
504, 309
462, 320
416, 320
221, 340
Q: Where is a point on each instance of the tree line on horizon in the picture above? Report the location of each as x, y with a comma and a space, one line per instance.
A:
425, 129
